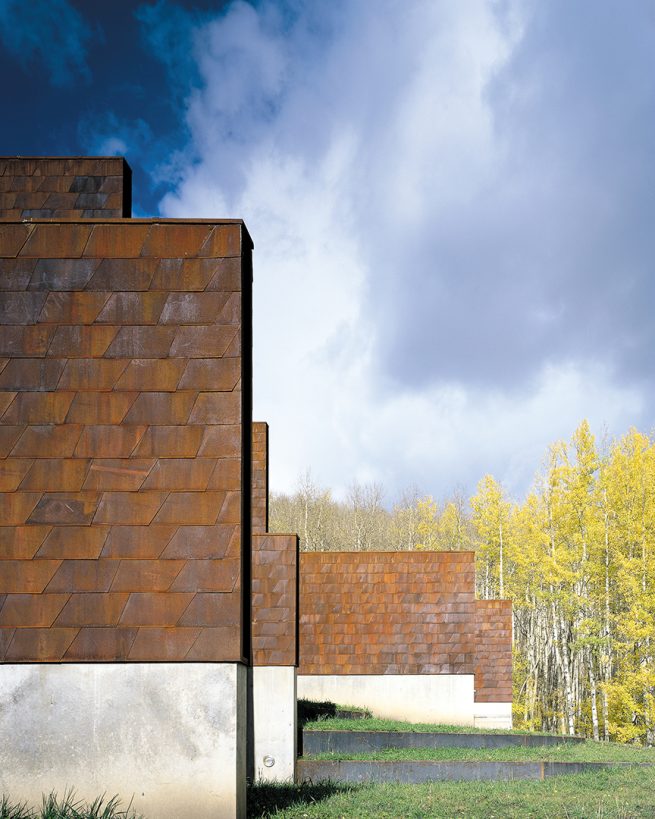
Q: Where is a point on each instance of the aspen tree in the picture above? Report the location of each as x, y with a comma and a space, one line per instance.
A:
576, 557
427, 526
491, 518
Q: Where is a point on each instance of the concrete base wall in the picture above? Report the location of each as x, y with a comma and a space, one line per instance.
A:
493, 715
169, 736
274, 722
438, 698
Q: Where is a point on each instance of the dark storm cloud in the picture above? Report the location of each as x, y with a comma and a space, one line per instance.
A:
550, 257
451, 205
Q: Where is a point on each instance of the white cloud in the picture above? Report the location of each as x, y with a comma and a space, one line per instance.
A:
436, 288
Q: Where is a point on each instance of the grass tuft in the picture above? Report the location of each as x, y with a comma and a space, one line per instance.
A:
269, 799
67, 807
310, 711
14, 810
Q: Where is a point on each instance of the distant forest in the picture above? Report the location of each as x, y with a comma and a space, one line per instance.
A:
577, 557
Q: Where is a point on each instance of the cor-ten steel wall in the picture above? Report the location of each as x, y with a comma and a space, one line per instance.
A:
274, 572
493, 651
403, 613
65, 187
125, 437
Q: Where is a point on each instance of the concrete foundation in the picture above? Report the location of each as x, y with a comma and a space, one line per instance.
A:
365, 742
168, 736
437, 698
493, 715
274, 722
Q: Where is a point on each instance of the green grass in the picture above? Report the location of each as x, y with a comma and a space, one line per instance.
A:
375, 724
355, 708
310, 711
610, 794
578, 752
68, 807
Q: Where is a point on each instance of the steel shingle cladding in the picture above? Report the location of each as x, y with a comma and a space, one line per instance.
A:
493, 654
387, 613
64, 187
121, 418
274, 600
259, 502
403, 613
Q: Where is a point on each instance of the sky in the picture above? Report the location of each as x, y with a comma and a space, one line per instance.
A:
452, 205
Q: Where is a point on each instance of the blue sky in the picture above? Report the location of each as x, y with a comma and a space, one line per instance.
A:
95, 76
452, 206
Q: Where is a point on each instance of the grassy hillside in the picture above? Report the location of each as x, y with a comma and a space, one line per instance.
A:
610, 794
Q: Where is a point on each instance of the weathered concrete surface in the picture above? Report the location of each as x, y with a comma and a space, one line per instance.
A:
429, 771
274, 722
361, 742
169, 736
436, 698
493, 715
559, 768
414, 771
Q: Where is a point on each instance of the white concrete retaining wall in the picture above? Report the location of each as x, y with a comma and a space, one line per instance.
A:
439, 698
169, 736
274, 722
493, 715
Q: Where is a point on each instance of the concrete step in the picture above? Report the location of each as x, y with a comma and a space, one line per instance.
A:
361, 742
353, 771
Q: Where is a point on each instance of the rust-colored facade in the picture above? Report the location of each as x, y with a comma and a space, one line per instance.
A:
259, 504
65, 188
275, 582
133, 484
403, 613
125, 425
275, 600
493, 651
387, 613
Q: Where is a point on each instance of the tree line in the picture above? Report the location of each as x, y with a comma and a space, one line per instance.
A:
576, 556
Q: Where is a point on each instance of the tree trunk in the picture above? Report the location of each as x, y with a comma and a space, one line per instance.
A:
562, 651
606, 720
594, 707
607, 664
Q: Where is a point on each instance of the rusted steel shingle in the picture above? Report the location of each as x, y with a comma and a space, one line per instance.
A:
403, 613
259, 502
121, 419
387, 613
493, 657
61, 188
274, 599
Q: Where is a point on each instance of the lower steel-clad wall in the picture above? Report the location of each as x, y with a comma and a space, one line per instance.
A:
125, 440
402, 634
274, 615
272, 677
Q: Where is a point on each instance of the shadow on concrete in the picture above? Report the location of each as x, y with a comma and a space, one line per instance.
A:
267, 798
309, 711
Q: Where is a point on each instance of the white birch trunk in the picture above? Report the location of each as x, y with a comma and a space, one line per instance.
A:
594, 707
